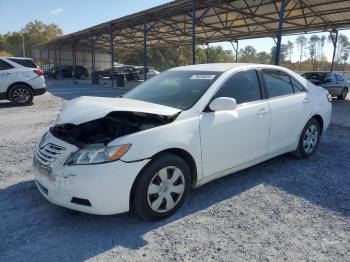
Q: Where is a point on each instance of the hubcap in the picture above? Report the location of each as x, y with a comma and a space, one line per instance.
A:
165, 189
21, 95
310, 139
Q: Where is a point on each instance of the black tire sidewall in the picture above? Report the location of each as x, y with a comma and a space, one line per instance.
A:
21, 86
140, 205
301, 150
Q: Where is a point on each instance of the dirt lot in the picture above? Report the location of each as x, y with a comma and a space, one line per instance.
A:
283, 209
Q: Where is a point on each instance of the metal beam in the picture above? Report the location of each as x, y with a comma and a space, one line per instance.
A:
280, 32
193, 32
145, 48
111, 42
335, 42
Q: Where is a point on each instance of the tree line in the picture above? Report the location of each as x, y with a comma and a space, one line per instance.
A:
309, 50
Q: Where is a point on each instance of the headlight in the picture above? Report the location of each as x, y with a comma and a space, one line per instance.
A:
97, 154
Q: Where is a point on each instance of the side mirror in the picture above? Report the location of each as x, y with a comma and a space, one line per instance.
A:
222, 104
328, 80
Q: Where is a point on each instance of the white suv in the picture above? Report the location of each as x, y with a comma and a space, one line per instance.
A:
20, 80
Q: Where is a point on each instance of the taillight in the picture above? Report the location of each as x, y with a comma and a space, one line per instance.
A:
329, 98
39, 72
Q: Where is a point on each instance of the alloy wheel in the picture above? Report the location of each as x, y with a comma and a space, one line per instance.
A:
21, 95
165, 189
310, 139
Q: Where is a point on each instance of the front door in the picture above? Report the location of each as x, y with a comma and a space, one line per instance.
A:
234, 137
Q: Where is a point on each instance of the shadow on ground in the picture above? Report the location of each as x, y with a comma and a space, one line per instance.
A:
59, 233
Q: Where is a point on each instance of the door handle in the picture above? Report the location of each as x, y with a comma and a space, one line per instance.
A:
263, 111
306, 100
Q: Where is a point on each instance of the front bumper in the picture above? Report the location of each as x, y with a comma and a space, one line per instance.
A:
101, 189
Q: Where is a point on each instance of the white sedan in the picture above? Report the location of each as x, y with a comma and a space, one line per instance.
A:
181, 129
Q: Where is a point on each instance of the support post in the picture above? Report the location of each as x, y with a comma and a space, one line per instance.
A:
280, 32
235, 48
207, 52
60, 74
48, 58
335, 42
145, 48
193, 32
92, 58
73, 60
41, 61
111, 34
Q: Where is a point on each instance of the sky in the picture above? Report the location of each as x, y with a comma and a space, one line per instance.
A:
75, 15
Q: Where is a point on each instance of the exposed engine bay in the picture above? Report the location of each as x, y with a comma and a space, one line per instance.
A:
108, 128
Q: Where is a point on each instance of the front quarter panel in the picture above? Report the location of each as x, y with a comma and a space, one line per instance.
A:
182, 134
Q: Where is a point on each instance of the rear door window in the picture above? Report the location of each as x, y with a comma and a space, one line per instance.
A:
24, 62
277, 83
4, 65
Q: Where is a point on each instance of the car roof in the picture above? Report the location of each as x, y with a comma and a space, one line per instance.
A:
16, 57
222, 67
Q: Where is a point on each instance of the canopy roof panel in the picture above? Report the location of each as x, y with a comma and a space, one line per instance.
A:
216, 21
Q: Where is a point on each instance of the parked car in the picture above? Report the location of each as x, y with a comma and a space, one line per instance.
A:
20, 80
150, 73
335, 83
183, 128
79, 72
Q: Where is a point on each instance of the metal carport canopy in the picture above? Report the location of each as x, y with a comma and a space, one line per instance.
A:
170, 24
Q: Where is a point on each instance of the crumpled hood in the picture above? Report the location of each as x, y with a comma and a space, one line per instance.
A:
85, 108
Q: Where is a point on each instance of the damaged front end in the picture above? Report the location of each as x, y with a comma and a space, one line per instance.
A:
113, 125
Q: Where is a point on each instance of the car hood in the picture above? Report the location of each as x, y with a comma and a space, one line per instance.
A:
83, 109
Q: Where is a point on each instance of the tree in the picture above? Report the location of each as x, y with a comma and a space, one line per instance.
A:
33, 33
283, 54
248, 54
289, 50
301, 43
263, 58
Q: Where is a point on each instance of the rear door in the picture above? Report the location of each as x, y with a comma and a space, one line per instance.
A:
291, 107
7, 75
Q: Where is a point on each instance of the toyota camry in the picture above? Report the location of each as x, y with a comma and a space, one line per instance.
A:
144, 151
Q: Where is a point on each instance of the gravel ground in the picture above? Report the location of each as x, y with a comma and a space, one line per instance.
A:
283, 209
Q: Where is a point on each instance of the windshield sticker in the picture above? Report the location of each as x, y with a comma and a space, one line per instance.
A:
203, 77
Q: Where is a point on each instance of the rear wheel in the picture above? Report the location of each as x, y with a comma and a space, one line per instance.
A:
161, 187
21, 95
343, 94
309, 139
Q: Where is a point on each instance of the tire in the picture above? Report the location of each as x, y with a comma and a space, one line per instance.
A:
21, 95
309, 140
343, 94
152, 195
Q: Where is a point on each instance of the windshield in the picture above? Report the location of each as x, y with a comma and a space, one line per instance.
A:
320, 76
178, 88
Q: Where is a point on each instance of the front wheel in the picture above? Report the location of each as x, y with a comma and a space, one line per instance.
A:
161, 187
21, 95
309, 139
